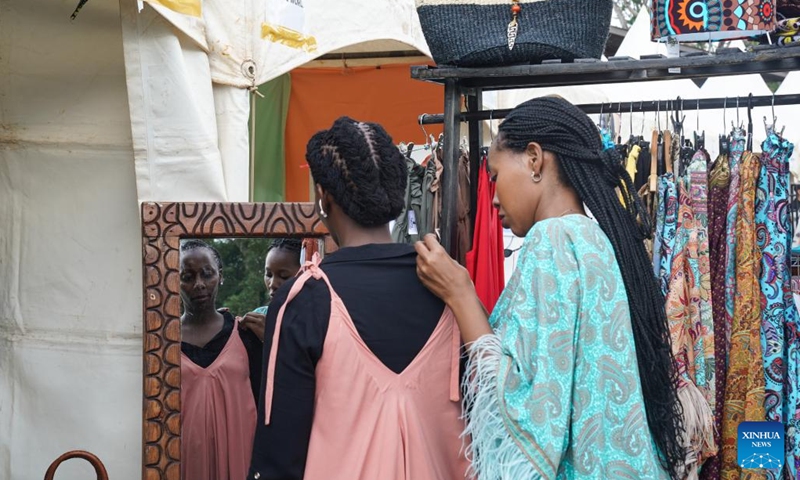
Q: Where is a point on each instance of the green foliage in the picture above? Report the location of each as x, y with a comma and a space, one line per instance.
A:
243, 289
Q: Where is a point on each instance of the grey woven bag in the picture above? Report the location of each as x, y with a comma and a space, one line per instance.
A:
482, 33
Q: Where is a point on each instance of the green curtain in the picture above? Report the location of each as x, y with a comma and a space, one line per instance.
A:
270, 150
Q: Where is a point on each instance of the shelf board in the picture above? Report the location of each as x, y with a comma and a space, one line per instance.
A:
617, 70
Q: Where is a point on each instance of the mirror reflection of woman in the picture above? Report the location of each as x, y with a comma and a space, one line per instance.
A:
281, 264
220, 374
363, 368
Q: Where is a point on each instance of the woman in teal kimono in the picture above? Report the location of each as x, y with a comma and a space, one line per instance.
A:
281, 263
572, 376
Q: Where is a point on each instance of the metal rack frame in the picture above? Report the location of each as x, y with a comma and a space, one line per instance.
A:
469, 84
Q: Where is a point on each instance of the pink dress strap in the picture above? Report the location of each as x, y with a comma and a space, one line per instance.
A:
310, 270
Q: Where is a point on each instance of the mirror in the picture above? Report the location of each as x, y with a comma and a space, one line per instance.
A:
220, 310
226, 285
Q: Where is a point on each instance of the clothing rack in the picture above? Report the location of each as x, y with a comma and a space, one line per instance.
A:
638, 107
470, 83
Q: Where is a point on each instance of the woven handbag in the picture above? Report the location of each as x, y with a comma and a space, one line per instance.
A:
788, 8
482, 33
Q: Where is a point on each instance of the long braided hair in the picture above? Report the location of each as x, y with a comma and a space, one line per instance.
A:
595, 174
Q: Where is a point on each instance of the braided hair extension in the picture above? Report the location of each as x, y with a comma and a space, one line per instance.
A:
292, 245
193, 244
564, 130
359, 165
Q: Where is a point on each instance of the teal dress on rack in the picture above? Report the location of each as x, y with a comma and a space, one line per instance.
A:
780, 342
555, 392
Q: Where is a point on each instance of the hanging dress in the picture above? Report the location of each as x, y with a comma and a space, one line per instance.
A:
688, 305
738, 138
779, 315
218, 415
485, 262
772, 202
700, 262
718, 214
668, 200
744, 389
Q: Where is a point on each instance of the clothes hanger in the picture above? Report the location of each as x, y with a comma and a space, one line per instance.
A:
750, 123
724, 140
428, 145
668, 142
699, 138
770, 128
655, 150
409, 150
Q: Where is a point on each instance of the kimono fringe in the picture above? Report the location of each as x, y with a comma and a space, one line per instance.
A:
698, 423
490, 447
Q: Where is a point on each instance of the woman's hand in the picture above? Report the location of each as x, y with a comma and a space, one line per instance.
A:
439, 272
450, 281
255, 322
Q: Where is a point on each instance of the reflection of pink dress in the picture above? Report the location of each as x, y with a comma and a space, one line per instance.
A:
218, 415
373, 424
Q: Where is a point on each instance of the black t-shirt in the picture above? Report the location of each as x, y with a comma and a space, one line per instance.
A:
394, 314
205, 356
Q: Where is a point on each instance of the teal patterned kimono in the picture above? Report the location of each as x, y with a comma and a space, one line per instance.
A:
555, 392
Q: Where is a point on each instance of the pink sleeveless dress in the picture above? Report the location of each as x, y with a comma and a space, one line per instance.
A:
371, 423
218, 415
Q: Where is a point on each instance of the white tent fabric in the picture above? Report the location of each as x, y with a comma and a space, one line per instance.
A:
348, 25
189, 136
70, 274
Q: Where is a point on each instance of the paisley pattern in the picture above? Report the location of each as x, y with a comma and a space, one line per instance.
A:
689, 303
569, 388
667, 228
738, 139
718, 213
773, 235
779, 341
744, 386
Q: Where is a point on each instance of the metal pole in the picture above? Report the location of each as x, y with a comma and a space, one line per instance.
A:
450, 152
638, 106
474, 104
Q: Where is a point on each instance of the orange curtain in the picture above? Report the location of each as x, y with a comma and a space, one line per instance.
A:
385, 94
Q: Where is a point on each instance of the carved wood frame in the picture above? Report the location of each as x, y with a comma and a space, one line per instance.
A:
163, 225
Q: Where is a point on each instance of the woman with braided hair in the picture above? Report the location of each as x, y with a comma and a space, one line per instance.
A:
574, 364
281, 264
363, 361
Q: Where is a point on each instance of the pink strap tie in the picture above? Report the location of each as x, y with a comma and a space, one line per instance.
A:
310, 270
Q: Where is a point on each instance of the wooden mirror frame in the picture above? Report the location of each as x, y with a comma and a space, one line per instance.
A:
163, 227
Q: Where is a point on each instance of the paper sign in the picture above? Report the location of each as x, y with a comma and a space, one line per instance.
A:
285, 23
412, 223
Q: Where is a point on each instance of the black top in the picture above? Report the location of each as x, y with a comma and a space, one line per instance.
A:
205, 356
393, 313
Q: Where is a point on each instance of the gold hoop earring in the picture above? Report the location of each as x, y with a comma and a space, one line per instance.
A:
321, 210
536, 177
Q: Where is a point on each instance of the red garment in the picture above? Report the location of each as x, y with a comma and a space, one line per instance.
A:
485, 260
